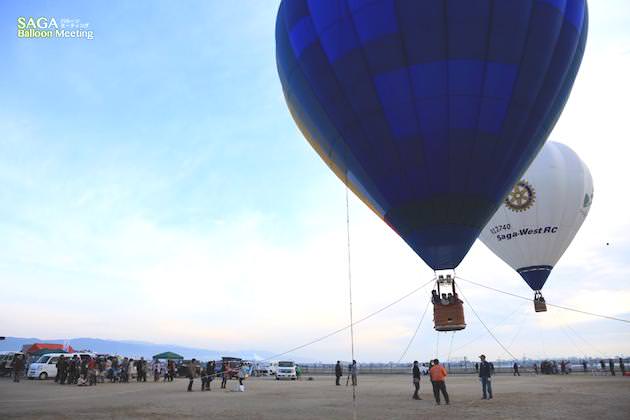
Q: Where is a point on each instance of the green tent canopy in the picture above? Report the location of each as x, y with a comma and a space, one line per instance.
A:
168, 355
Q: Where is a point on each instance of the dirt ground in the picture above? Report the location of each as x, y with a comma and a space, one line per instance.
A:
379, 397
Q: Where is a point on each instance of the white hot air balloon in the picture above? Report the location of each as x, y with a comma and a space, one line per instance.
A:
541, 215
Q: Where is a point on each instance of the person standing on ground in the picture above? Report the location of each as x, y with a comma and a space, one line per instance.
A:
476, 367
485, 375
338, 372
353, 372
584, 365
415, 373
157, 368
535, 369
61, 362
191, 374
438, 374
73, 371
92, 365
210, 373
143, 365
18, 367
204, 378
622, 367
224, 375
171, 370
611, 365
515, 368
242, 375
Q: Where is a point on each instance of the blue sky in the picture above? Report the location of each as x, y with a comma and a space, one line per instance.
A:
153, 186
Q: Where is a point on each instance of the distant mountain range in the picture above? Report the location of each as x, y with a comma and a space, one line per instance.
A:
134, 349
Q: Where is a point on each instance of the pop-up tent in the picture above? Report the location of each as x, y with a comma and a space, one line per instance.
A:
41, 352
51, 348
168, 355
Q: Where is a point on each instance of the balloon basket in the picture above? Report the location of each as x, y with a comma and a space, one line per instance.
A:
539, 303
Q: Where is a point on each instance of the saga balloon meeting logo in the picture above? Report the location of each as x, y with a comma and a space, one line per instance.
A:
45, 27
521, 198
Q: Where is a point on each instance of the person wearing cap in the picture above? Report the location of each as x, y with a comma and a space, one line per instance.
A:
437, 374
485, 373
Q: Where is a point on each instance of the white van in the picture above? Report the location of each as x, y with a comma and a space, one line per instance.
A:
286, 370
46, 366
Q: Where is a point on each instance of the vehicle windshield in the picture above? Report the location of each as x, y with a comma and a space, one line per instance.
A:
43, 359
286, 364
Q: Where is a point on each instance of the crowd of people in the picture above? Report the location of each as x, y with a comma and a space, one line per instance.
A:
85, 370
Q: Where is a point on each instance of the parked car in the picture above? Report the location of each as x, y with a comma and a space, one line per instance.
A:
262, 369
286, 370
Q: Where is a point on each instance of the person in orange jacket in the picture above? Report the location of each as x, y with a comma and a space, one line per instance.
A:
438, 374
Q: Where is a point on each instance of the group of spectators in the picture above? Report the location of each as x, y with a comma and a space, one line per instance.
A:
484, 369
209, 372
87, 370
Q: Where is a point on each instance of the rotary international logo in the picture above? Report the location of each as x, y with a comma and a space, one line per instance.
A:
521, 197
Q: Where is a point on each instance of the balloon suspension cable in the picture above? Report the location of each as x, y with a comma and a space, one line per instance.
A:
354, 385
437, 345
450, 349
484, 324
612, 318
413, 337
503, 321
342, 329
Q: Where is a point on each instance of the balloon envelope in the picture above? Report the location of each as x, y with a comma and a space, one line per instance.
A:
542, 214
429, 110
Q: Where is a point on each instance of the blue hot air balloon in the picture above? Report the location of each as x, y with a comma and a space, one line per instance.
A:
429, 110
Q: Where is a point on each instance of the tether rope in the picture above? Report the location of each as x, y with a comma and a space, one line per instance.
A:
365, 318
504, 321
437, 344
588, 344
548, 304
450, 349
354, 385
413, 337
484, 324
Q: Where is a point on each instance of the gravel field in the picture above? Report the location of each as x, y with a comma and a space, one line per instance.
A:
379, 397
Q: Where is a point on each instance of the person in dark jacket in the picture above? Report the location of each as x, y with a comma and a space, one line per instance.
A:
61, 367
515, 368
18, 367
485, 374
611, 365
338, 373
622, 366
415, 372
